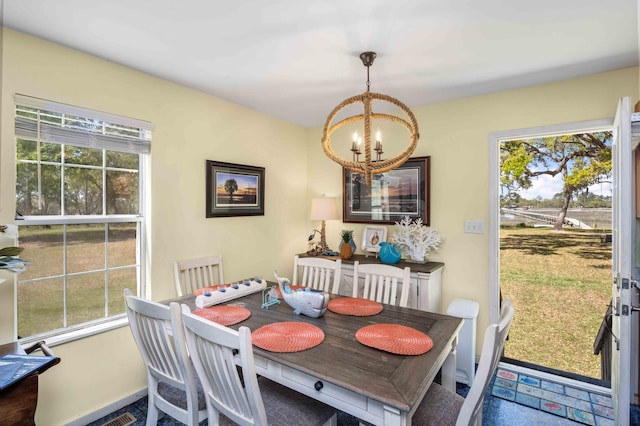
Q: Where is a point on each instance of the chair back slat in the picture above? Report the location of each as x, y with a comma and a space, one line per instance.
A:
165, 361
215, 351
193, 274
317, 273
492, 347
381, 283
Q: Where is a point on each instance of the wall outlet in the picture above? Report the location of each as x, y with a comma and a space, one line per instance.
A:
474, 226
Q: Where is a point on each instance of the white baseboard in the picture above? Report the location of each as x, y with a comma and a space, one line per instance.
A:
115, 406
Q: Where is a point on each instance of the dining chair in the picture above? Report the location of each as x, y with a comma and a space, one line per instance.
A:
317, 273
238, 395
193, 274
172, 382
443, 407
381, 283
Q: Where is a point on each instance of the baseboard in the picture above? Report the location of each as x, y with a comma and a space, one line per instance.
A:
108, 409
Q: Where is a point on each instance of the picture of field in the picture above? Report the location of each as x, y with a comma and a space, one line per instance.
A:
236, 189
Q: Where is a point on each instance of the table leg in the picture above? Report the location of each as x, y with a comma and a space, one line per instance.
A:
449, 369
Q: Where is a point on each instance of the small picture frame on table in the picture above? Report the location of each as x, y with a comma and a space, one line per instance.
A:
372, 236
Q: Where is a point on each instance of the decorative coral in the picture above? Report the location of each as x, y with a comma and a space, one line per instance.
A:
417, 240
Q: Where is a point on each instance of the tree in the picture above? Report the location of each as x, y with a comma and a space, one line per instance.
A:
231, 186
581, 159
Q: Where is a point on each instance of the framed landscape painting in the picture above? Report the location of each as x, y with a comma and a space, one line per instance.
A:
400, 192
234, 190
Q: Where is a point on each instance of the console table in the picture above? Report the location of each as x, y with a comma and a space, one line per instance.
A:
425, 292
18, 401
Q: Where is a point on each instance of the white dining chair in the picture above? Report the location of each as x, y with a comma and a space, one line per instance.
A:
173, 387
317, 273
381, 283
193, 274
443, 407
237, 395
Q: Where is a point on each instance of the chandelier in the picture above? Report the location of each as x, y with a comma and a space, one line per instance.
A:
369, 166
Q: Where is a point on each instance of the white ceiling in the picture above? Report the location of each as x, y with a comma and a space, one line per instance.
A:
297, 59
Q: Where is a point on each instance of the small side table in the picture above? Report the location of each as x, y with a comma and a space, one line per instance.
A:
18, 401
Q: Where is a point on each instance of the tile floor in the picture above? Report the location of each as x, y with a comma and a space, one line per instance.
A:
587, 407
497, 411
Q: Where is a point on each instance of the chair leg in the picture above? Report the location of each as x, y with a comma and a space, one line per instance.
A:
333, 421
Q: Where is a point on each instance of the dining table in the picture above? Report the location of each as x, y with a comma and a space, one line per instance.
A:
377, 386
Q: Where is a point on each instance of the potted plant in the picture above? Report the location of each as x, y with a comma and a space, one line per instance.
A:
347, 245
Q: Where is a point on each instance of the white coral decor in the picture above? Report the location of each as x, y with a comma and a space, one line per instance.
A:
417, 240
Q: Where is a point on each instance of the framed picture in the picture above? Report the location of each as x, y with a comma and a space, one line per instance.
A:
400, 192
234, 190
372, 236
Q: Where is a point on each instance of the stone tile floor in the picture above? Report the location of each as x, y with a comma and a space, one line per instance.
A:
586, 407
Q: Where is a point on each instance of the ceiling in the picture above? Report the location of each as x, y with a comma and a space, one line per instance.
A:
296, 59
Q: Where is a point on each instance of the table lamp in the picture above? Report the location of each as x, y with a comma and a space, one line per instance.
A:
323, 209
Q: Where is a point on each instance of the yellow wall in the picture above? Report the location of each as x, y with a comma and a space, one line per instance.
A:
192, 127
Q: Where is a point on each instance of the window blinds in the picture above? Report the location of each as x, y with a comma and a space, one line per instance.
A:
54, 122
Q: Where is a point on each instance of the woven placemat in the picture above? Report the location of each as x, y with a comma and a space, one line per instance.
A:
293, 288
224, 315
287, 336
395, 338
355, 306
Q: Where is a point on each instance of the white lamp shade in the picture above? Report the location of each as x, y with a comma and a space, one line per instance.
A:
324, 209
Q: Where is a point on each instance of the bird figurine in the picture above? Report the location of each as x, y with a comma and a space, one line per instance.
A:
312, 303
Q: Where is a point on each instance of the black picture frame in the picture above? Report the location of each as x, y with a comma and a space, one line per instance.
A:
404, 191
246, 200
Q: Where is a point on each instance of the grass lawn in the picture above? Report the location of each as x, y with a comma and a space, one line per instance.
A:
560, 283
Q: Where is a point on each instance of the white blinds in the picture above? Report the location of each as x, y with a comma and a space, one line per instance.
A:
66, 124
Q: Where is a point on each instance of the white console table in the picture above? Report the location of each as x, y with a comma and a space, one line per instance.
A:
425, 292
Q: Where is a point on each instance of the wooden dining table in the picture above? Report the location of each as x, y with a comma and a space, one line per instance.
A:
373, 385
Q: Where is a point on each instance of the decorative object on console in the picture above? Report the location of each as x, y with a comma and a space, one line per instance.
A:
9, 255
416, 239
369, 166
372, 236
347, 246
322, 209
389, 253
312, 303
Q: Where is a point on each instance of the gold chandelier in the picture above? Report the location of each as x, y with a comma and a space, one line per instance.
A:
369, 167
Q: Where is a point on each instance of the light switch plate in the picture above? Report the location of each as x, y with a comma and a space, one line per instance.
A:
474, 226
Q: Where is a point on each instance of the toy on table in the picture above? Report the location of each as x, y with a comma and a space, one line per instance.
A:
312, 303
235, 290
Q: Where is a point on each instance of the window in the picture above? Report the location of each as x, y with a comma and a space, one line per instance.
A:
80, 211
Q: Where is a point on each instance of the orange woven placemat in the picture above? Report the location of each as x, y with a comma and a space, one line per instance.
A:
287, 336
224, 315
293, 288
395, 338
355, 306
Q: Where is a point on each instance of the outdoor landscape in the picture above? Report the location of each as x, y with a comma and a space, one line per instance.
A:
560, 286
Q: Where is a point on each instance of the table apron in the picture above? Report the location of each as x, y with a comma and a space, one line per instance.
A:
356, 404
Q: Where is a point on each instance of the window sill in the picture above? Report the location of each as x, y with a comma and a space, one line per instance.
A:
59, 339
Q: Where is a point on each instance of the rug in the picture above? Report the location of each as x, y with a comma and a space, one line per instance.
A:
565, 401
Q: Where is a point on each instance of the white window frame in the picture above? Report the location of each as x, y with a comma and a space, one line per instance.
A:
80, 138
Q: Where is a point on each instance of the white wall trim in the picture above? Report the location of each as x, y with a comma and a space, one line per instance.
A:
494, 191
108, 409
